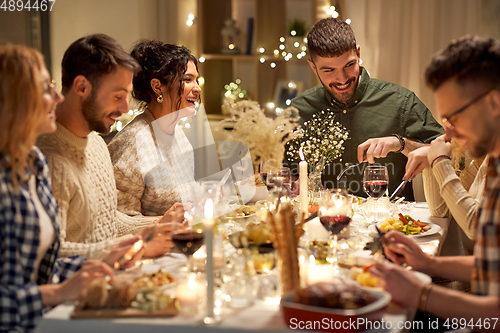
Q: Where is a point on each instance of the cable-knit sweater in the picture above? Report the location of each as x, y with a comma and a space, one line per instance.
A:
84, 187
153, 170
445, 193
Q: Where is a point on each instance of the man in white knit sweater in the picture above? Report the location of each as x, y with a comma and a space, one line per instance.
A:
96, 79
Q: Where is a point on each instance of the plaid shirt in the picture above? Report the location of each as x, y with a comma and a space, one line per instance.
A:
20, 299
486, 271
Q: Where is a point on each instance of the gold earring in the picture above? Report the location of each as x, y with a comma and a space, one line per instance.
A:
159, 99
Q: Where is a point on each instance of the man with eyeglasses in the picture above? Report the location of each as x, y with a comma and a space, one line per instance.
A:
465, 78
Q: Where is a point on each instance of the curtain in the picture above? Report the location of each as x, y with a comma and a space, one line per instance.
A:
399, 37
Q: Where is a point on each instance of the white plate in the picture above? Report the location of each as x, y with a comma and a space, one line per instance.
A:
421, 276
433, 230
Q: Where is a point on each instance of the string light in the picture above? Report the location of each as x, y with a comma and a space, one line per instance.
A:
262, 50
201, 59
234, 92
190, 20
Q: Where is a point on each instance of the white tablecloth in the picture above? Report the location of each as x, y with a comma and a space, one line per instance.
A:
260, 316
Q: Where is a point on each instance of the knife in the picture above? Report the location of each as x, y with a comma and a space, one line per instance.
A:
398, 190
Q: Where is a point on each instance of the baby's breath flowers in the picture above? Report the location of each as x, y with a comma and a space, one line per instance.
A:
322, 139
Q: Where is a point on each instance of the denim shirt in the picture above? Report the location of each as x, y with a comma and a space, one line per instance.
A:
377, 109
20, 299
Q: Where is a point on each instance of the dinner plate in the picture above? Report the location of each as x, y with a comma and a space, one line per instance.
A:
421, 276
432, 231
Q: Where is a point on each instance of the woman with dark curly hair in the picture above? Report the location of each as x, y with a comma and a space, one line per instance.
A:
152, 157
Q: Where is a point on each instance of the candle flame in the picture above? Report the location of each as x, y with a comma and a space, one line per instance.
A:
209, 209
301, 154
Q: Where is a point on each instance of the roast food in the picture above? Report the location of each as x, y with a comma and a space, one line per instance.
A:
334, 295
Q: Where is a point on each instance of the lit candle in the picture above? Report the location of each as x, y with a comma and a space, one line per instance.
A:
209, 269
189, 293
303, 184
318, 273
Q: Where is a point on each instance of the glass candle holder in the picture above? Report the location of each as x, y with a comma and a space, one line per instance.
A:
377, 209
190, 293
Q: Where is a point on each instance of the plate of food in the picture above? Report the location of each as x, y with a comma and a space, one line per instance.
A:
408, 226
241, 211
365, 279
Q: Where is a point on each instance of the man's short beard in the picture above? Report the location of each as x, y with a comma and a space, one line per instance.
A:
336, 95
90, 111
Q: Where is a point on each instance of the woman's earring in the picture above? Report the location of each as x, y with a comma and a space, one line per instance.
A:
159, 99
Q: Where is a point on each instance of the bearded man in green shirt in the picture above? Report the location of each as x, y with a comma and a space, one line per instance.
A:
385, 121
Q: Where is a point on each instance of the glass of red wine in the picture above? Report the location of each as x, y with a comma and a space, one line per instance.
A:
375, 182
335, 213
188, 241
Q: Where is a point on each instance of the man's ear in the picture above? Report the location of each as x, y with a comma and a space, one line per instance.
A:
494, 103
156, 86
313, 66
82, 86
358, 51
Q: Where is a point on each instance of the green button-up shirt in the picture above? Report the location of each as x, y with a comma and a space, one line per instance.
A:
377, 109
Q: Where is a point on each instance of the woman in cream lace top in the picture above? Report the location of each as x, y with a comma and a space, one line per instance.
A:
152, 157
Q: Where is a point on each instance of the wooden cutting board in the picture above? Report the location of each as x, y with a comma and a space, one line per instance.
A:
170, 311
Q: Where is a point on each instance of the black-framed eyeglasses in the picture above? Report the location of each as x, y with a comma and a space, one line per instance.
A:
447, 120
51, 89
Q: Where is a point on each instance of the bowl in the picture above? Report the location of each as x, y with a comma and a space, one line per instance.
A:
252, 193
297, 315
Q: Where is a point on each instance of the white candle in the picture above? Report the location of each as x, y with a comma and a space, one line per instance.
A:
318, 273
303, 185
189, 293
209, 269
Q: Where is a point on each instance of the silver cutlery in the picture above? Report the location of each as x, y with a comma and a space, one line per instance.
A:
398, 190
349, 167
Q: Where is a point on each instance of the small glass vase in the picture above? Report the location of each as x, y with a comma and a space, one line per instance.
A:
315, 187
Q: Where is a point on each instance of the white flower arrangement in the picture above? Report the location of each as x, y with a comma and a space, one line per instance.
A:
322, 140
265, 137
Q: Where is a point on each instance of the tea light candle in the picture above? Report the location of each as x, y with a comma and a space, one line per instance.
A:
209, 269
318, 273
303, 198
189, 293
199, 259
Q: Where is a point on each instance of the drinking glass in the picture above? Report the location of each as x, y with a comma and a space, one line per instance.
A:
188, 241
375, 182
335, 212
270, 180
287, 176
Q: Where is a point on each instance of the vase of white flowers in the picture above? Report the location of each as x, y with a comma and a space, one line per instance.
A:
322, 141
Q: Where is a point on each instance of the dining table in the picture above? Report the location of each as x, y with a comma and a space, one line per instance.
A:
263, 315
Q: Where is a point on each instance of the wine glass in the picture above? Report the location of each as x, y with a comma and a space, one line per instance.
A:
188, 241
335, 213
287, 177
376, 180
270, 180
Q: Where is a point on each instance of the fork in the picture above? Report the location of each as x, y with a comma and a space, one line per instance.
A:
349, 167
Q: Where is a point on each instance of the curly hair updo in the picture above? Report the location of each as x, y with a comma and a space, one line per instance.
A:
162, 61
